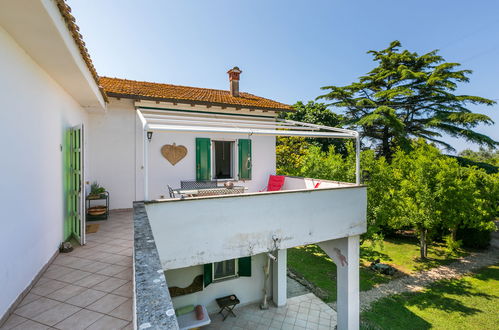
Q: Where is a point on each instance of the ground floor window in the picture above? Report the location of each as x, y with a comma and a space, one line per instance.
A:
224, 269
232, 268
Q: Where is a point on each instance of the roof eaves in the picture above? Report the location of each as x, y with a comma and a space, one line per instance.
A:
70, 20
187, 101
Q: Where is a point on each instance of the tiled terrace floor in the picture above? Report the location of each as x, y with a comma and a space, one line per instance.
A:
301, 312
89, 288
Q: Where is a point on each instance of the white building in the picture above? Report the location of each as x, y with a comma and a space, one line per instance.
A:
64, 127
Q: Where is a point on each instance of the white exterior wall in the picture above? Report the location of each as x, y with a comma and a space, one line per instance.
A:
35, 113
247, 289
228, 227
112, 155
116, 156
162, 173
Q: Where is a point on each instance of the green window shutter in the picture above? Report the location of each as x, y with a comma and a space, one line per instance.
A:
208, 274
203, 159
244, 147
244, 265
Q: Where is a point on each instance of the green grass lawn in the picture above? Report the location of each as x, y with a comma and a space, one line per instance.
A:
471, 302
313, 264
402, 253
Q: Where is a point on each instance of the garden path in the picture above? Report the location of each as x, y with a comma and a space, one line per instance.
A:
418, 281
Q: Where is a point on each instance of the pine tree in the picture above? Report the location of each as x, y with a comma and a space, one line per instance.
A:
410, 96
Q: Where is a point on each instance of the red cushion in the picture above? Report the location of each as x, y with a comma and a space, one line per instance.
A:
275, 182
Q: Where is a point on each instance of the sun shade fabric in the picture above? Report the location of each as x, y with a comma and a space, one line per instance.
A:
208, 274
244, 161
244, 265
203, 159
275, 182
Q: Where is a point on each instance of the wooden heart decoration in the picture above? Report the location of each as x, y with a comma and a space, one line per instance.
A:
173, 153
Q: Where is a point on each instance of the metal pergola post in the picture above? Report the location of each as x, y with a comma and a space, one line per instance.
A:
357, 158
145, 154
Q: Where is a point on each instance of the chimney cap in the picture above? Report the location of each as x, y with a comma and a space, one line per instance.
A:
235, 69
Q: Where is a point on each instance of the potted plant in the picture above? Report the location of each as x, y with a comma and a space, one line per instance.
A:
96, 191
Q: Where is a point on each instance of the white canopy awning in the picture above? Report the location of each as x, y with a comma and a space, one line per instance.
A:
198, 122
172, 121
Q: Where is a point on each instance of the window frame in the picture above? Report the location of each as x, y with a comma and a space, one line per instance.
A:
236, 271
233, 162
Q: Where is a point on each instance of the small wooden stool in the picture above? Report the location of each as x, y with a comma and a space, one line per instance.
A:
227, 304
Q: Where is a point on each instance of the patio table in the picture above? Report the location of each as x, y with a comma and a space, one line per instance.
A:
227, 304
211, 191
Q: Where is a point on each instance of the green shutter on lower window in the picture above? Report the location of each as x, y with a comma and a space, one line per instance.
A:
244, 160
203, 159
244, 265
208, 274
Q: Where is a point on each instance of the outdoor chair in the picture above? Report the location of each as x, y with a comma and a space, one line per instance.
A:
275, 183
171, 192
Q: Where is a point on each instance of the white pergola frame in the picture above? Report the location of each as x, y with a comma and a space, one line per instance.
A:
175, 121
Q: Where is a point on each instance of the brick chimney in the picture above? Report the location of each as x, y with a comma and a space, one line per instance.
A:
234, 80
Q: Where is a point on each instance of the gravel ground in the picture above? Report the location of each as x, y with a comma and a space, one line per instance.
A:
417, 282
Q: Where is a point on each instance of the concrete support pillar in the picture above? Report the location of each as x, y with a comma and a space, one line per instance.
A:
279, 278
345, 254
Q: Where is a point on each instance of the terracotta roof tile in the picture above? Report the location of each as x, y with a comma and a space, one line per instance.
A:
65, 11
156, 91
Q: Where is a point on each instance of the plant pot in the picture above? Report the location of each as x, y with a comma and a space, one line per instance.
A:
96, 210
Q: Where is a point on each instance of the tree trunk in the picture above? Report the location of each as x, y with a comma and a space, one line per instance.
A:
423, 246
453, 233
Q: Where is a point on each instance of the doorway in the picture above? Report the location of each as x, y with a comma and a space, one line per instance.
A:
75, 185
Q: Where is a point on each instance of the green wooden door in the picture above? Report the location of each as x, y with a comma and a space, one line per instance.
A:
68, 135
75, 210
244, 159
203, 159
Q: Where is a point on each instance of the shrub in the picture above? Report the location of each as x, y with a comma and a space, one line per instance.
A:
452, 245
474, 238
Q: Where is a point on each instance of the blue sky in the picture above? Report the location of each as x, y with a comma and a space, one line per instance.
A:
287, 49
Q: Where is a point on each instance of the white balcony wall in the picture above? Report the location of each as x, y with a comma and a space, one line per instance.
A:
236, 226
293, 183
247, 289
116, 156
36, 111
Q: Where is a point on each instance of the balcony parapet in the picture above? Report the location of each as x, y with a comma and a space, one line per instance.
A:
201, 230
153, 307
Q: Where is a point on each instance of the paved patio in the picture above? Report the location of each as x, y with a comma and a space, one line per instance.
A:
89, 288
301, 312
